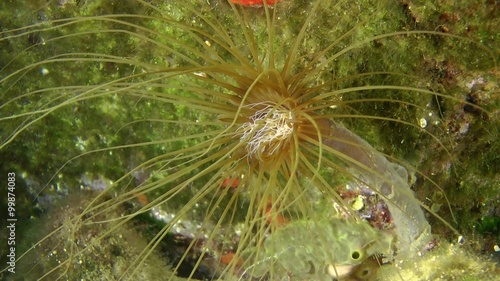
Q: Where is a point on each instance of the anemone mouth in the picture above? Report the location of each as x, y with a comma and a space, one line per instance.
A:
270, 129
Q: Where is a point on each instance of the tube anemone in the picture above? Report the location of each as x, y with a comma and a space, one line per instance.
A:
235, 138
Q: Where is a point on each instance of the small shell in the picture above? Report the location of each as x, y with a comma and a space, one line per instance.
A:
340, 271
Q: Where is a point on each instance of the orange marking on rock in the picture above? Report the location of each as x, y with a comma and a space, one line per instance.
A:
229, 257
142, 198
230, 182
277, 220
255, 2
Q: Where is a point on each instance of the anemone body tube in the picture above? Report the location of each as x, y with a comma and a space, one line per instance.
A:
390, 181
